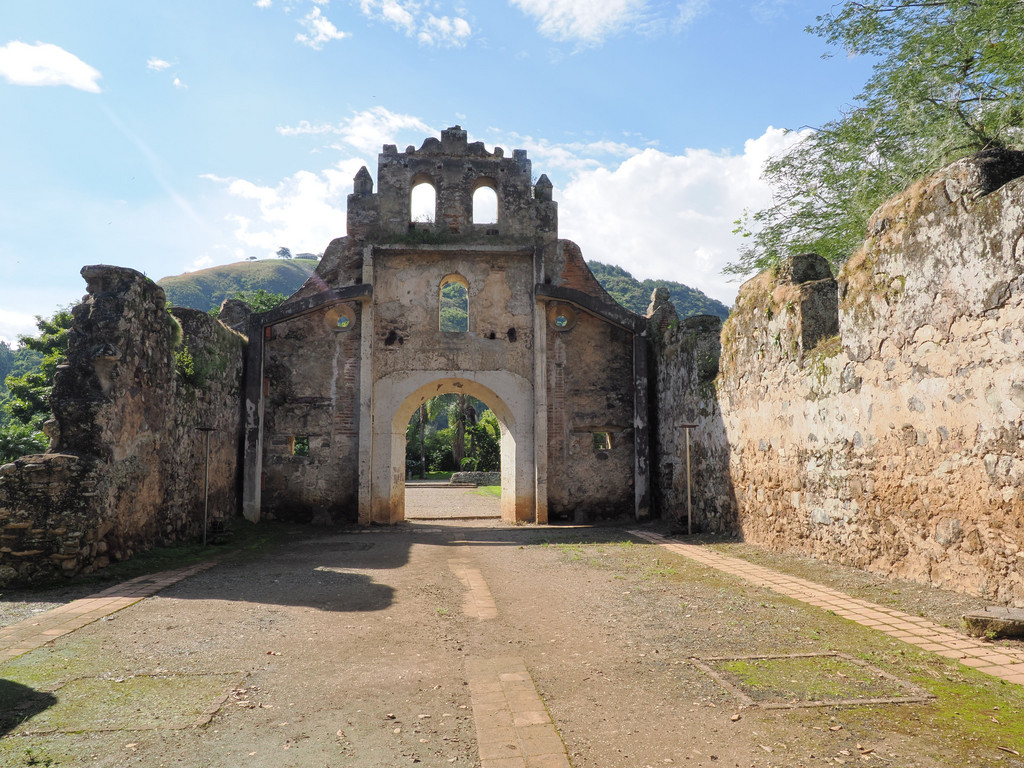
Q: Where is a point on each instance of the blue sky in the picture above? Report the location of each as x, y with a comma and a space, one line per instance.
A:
170, 136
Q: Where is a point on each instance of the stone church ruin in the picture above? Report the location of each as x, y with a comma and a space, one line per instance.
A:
874, 417
346, 360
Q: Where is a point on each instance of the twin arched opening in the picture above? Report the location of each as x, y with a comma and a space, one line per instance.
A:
424, 197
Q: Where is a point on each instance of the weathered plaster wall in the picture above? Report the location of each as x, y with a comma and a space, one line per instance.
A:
590, 390
406, 294
311, 374
126, 463
898, 445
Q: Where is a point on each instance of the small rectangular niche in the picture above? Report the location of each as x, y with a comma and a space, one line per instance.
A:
602, 441
300, 446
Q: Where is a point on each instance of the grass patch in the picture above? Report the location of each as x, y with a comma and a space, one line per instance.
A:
977, 713
803, 679
491, 491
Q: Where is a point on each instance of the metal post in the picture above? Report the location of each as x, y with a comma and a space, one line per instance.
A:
689, 502
689, 508
206, 483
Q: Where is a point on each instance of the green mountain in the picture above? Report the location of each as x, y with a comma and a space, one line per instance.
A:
205, 289
635, 295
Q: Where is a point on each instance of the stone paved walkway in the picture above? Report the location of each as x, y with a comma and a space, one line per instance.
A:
1004, 663
22, 637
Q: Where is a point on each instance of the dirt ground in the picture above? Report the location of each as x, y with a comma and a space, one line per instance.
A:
350, 648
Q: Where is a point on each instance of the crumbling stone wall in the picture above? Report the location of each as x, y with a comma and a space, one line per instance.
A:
684, 366
897, 444
590, 416
125, 467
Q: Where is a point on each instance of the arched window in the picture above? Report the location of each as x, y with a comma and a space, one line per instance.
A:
422, 202
453, 313
485, 205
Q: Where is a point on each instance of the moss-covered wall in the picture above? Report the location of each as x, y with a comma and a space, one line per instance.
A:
126, 465
897, 444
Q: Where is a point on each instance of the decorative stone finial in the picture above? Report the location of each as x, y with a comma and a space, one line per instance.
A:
363, 183
543, 188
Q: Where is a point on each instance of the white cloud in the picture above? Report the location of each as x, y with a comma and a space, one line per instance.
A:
396, 13
46, 64
590, 22
14, 324
410, 17
587, 21
319, 30
687, 12
444, 31
569, 157
178, 84
263, 3
670, 216
366, 131
157, 65
303, 212
655, 214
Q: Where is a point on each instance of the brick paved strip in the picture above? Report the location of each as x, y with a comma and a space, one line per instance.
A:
33, 632
1004, 663
479, 603
513, 727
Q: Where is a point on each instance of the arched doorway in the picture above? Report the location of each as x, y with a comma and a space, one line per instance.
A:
453, 441
395, 399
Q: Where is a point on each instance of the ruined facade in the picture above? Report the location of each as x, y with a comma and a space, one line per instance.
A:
875, 419
337, 371
127, 460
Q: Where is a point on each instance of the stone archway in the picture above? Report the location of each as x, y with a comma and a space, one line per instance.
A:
396, 397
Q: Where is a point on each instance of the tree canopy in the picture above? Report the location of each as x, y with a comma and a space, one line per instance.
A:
29, 392
635, 295
28, 378
947, 82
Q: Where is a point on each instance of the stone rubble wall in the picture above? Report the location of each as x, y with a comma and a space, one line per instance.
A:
480, 478
897, 444
125, 468
683, 370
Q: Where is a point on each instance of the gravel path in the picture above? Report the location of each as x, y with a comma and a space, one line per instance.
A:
440, 501
371, 648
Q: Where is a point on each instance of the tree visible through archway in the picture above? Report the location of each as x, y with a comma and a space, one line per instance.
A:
449, 433
453, 432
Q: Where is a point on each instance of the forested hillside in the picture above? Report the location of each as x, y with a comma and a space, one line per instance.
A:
635, 294
205, 289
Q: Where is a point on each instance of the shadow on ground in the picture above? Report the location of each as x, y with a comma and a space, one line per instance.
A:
327, 568
18, 703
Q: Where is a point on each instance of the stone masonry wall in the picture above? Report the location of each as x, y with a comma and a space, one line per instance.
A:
311, 379
684, 367
590, 396
125, 469
896, 445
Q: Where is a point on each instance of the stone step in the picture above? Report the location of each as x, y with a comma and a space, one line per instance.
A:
995, 621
